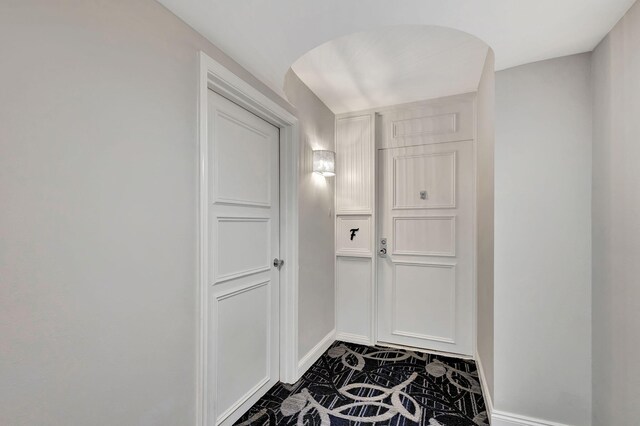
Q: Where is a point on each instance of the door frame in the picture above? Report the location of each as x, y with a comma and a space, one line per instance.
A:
214, 76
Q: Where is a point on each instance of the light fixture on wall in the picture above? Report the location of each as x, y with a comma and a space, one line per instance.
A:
324, 162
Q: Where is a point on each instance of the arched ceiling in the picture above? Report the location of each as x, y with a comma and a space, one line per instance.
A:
268, 36
392, 65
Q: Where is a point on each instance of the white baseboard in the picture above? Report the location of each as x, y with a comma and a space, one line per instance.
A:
424, 351
485, 387
501, 418
354, 338
315, 353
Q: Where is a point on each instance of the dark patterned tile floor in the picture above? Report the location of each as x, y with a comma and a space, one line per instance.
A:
360, 385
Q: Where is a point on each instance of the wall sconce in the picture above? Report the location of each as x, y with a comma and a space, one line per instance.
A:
324, 162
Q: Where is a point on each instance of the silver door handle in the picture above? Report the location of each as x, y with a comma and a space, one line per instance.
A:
278, 263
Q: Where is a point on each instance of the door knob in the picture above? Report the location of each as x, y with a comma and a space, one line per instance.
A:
278, 263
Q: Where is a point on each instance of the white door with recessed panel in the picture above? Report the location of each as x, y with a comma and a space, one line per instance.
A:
426, 217
242, 330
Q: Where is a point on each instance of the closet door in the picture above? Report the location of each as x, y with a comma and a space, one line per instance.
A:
243, 293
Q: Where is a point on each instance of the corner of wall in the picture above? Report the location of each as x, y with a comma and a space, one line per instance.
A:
315, 353
485, 134
316, 281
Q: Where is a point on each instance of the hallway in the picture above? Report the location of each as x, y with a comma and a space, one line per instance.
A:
220, 213
354, 384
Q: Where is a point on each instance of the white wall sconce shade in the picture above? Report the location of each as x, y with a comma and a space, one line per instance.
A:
324, 162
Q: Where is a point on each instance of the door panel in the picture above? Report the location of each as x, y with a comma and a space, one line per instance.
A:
243, 349
242, 176
424, 236
424, 301
354, 153
414, 173
425, 280
245, 309
252, 256
354, 300
353, 236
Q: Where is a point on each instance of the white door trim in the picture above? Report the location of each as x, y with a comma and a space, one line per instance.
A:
221, 80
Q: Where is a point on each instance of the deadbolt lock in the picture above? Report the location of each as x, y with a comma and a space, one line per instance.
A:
382, 251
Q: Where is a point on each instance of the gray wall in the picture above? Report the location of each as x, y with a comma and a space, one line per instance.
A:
98, 182
543, 241
616, 225
316, 295
485, 152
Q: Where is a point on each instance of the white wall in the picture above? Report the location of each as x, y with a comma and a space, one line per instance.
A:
316, 308
485, 106
543, 241
616, 225
98, 182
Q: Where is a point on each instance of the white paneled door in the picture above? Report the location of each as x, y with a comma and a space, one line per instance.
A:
425, 278
243, 292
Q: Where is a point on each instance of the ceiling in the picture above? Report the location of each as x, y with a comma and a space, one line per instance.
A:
391, 66
268, 36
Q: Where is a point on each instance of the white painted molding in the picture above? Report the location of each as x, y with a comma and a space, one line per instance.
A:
502, 418
355, 153
485, 387
315, 353
214, 76
354, 338
363, 245
361, 197
347, 254
394, 327
425, 351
